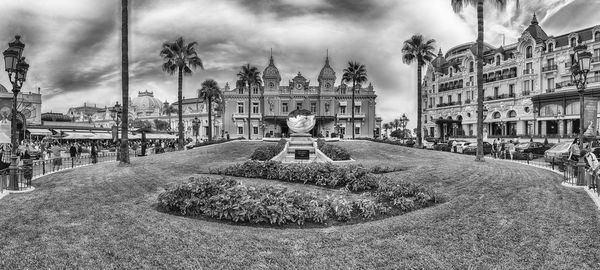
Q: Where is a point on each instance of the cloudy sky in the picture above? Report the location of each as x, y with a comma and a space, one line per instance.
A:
73, 46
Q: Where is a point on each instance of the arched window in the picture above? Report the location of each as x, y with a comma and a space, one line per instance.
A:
551, 47
450, 72
573, 42
497, 60
496, 115
471, 66
528, 52
512, 114
597, 36
433, 77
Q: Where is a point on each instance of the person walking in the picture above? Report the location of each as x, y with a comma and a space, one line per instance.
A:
511, 148
495, 148
94, 153
502, 149
56, 159
73, 153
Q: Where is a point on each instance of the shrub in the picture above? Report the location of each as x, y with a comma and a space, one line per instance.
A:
227, 199
406, 196
380, 170
353, 177
267, 152
335, 152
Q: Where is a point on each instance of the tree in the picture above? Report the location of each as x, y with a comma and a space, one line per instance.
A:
457, 6
249, 76
210, 92
169, 109
160, 124
386, 127
124, 155
416, 49
181, 58
397, 123
357, 74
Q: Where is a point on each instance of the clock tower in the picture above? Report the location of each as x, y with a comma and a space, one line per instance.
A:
326, 77
271, 77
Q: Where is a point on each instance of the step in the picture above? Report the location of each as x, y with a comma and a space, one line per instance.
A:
292, 149
310, 143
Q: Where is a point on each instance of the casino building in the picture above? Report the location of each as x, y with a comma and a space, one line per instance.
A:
272, 102
527, 87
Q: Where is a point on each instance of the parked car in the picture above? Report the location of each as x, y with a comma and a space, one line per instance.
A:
452, 142
558, 152
429, 142
442, 146
529, 150
460, 146
471, 149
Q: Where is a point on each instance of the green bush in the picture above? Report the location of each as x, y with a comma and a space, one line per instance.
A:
227, 199
267, 152
406, 196
335, 152
354, 177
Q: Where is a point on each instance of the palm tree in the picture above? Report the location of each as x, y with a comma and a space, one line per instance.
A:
386, 127
181, 58
396, 123
457, 6
421, 51
124, 155
357, 74
210, 92
249, 76
169, 109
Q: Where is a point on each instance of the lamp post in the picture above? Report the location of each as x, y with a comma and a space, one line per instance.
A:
196, 127
579, 73
115, 113
17, 68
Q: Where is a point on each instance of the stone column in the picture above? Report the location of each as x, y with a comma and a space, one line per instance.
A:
570, 127
543, 131
561, 128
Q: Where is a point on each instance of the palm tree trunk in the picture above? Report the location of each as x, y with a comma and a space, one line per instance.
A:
419, 104
479, 156
179, 107
353, 88
209, 118
249, 109
125, 83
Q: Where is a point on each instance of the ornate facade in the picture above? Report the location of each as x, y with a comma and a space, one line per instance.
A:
272, 102
527, 87
29, 107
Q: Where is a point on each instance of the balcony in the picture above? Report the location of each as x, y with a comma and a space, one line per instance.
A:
455, 103
348, 115
528, 71
549, 68
502, 96
526, 93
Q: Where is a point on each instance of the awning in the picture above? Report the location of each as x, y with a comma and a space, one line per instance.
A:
79, 136
39, 131
152, 136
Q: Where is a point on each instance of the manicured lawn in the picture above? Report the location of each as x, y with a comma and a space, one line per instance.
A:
497, 215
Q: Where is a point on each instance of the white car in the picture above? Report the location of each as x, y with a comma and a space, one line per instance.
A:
460, 146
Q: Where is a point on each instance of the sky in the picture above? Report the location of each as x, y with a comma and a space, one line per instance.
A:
73, 46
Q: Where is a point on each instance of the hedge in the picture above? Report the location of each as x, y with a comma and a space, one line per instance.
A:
227, 199
354, 177
267, 152
334, 152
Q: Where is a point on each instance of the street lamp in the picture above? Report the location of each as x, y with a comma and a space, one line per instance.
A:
116, 111
196, 127
17, 68
579, 73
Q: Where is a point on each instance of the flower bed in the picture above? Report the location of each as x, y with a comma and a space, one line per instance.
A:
267, 152
227, 199
353, 177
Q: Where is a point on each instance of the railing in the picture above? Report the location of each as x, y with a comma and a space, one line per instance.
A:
42, 167
449, 104
502, 96
23, 180
527, 71
549, 68
571, 172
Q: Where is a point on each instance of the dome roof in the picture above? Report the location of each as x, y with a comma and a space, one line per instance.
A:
327, 72
536, 31
271, 71
146, 102
3, 89
439, 61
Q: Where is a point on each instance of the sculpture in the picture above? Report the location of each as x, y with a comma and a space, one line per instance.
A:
301, 121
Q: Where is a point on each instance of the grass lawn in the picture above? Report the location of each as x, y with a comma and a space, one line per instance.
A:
497, 215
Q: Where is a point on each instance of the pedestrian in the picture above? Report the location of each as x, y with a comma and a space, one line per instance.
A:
574, 150
73, 153
502, 149
79, 151
511, 148
495, 148
56, 159
94, 153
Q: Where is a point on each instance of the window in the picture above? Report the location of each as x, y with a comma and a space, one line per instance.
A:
497, 60
496, 115
597, 36
433, 77
573, 42
343, 90
342, 109
471, 66
313, 107
356, 130
240, 107
551, 47
255, 90
550, 85
449, 98
240, 90
528, 52
528, 68
550, 62
441, 100
596, 53
433, 88
472, 94
284, 107
254, 107
512, 114
511, 90
526, 86
298, 105
271, 84
356, 109
240, 130
459, 97
255, 130
450, 72
496, 90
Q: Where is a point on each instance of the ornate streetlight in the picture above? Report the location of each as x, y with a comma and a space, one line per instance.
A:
17, 68
196, 127
116, 116
579, 73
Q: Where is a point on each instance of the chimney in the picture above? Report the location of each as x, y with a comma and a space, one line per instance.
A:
39, 89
